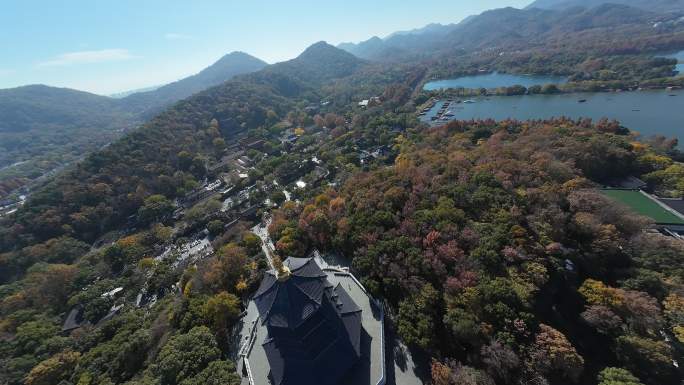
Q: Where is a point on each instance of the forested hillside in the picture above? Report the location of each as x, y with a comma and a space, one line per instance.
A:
32, 107
111, 184
501, 259
43, 128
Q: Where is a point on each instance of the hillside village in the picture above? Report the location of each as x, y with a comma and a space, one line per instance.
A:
236, 195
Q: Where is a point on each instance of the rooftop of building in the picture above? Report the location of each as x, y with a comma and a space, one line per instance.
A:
308, 287
674, 204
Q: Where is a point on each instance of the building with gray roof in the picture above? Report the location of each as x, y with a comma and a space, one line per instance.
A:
312, 325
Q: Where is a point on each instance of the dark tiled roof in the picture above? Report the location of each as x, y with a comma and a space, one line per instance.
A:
344, 302
351, 317
314, 329
318, 353
351, 324
289, 303
74, 319
630, 183
679, 229
674, 204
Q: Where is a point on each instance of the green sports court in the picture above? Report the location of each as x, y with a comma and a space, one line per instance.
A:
643, 205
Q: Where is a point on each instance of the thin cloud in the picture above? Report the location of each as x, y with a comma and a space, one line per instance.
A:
5, 72
87, 57
177, 36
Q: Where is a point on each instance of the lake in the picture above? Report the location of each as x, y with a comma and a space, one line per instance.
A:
494, 80
647, 112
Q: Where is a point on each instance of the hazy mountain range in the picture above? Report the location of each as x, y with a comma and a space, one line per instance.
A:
503, 26
150, 102
121, 95
649, 5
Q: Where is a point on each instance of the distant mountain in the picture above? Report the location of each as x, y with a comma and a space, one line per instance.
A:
650, 5
398, 43
121, 95
42, 128
433, 28
318, 64
232, 64
500, 25
42, 107
498, 28
506, 26
323, 62
365, 49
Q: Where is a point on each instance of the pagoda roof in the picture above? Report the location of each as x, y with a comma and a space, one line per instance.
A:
314, 328
288, 303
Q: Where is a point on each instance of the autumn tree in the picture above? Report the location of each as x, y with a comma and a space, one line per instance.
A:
674, 313
440, 373
50, 285
639, 311
602, 319
226, 270
553, 354
251, 243
500, 360
53, 370
222, 311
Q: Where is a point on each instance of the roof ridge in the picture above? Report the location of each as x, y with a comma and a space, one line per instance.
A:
318, 302
270, 306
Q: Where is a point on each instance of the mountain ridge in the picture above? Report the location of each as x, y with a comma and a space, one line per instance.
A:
648, 5
318, 63
16, 102
500, 27
230, 65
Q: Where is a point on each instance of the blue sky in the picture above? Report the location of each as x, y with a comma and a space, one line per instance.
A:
117, 45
